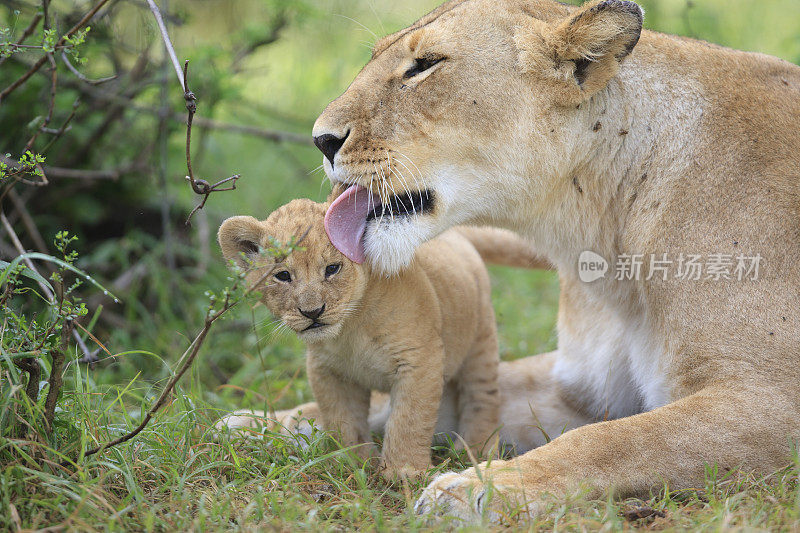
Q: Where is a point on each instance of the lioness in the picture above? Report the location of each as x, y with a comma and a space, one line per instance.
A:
430, 327
579, 130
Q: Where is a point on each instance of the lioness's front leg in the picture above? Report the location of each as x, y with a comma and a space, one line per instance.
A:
415, 398
730, 427
344, 407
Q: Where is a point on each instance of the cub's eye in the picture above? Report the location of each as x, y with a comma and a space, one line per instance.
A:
330, 270
283, 275
422, 64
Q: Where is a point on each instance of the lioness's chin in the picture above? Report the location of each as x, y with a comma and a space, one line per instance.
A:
390, 244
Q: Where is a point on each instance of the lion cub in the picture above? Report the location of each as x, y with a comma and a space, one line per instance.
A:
410, 335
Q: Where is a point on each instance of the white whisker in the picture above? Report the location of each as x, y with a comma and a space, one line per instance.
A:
411, 161
401, 178
357, 22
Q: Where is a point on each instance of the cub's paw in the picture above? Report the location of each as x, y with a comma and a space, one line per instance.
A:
400, 473
409, 468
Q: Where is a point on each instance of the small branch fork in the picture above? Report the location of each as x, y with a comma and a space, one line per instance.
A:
199, 186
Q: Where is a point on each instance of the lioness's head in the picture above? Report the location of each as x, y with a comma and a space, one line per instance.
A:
467, 116
312, 290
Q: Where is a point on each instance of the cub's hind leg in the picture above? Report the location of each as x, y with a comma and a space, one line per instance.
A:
478, 393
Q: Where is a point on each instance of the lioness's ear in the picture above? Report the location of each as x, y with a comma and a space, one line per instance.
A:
589, 45
239, 235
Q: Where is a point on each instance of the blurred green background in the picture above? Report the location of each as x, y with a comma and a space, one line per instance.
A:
270, 64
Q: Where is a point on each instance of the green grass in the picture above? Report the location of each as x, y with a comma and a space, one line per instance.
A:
177, 476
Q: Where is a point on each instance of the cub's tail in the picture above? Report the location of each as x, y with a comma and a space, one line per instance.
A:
503, 247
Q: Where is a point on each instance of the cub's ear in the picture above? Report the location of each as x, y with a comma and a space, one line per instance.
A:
240, 235
588, 46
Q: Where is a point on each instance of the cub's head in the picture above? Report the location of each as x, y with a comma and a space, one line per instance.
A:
312, 290
468, 116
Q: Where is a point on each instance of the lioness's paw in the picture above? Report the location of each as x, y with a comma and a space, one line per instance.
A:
466, 498
458, 496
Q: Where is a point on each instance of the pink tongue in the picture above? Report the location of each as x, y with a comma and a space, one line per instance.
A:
346, 221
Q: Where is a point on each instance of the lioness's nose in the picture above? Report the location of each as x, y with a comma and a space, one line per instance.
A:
329, 144
314, 313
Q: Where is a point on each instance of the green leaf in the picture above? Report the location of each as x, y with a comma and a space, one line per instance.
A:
27, 272
59, 262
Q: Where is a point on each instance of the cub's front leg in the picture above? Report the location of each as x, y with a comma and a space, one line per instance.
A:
415, 397
344, 407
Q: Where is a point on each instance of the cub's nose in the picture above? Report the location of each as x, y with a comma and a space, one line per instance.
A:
314, 313
329, 144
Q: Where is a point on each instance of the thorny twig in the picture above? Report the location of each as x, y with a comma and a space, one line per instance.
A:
199, 186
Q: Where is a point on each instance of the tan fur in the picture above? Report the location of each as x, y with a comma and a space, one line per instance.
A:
430, 327
676, 146
503, 247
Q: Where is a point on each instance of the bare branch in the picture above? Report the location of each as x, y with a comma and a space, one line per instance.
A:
56, 381
199, 186
80, 76
36, 66
34, 370
18, 245
199, 122
25, 34
167, 41
272, 135
60, 131
75, 173
27, 220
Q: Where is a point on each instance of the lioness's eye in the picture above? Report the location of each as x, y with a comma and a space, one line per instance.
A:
422, 64
330, 270
283, 275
